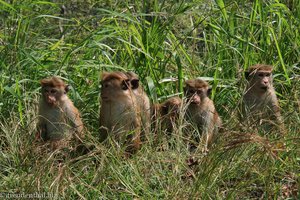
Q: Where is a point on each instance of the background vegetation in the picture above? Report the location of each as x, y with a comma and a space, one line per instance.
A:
161, 41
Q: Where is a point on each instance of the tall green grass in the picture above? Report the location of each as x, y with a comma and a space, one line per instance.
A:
165, 43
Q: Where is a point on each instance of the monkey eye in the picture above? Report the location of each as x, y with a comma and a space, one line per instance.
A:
260, 75
104, 85
199, 92
268, 75
124, 86
53, 91
192, 91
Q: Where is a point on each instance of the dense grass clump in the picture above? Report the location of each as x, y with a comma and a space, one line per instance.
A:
165, 42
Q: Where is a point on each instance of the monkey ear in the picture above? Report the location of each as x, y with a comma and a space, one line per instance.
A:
104, 75
67, 88
247, 74
164, 109
135, 83
44, 82
124, 85
209, 90
185, 90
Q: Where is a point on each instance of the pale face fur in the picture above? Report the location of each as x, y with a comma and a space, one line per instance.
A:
196, 95
260, 81
53, 95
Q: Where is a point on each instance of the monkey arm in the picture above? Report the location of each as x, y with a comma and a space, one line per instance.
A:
136, 137
41, 130
276, 115
274, 112
103, 132
207, 128
146, 125
144, 110
74, 120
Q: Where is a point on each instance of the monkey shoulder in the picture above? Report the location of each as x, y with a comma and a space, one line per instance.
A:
70, 115
208, 105
68, 107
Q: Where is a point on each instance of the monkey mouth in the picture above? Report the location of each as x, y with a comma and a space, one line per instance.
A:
264, 88
195, 102
51, 102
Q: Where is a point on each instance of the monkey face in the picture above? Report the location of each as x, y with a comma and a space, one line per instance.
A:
262, 80
195, 96
196, 90
118, 86
259, 77
52, 95
115, 89
53, 90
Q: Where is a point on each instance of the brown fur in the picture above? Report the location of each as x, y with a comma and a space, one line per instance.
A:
253, 69
196, 83
201, 110
59, 119
143, 103
53, 82
125, 108
260, 105
168, 112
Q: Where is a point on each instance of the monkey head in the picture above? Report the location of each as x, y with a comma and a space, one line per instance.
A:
117, 85
171, 107
260, 77
53, 90
196, 90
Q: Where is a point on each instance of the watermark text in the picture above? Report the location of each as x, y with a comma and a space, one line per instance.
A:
22, 195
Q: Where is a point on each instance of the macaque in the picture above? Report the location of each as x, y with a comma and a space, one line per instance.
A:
201, 111
125, 108
59, 119
168, 113
260, 104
